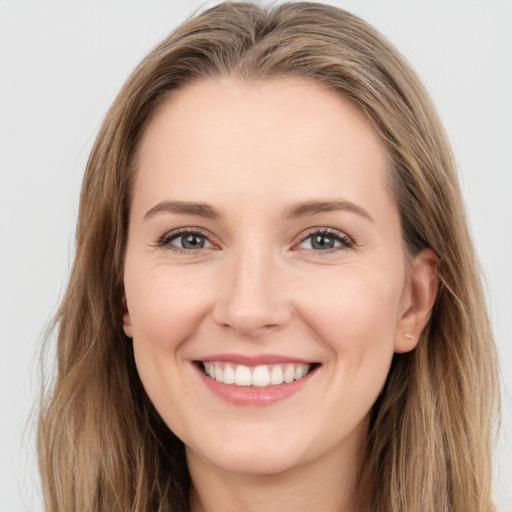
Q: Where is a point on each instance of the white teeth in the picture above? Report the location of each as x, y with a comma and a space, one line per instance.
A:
261, 376
300, 371
257, 376
276, 376
219, 374
289, 373
243, 375
229, 374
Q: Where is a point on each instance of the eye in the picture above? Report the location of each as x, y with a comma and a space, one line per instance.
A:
325, 240
185, 240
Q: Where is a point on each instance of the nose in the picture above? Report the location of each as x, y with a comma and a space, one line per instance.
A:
252, 299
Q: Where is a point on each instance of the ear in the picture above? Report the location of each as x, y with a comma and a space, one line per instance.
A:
418, 299
127, 323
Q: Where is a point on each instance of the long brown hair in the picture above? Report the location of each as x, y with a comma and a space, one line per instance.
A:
102, 445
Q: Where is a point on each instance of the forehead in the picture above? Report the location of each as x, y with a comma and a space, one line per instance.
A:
284, 137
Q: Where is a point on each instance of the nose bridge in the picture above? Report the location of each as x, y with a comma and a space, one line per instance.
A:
252, 297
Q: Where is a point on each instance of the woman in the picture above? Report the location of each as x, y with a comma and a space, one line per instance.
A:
274, 302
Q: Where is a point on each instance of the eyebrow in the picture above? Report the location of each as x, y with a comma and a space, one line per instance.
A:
184, 208
293, 211
314, 207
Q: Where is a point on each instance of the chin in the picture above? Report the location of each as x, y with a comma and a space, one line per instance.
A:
250, 456
254, 462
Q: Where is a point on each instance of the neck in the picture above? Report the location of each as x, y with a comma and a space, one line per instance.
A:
322, 485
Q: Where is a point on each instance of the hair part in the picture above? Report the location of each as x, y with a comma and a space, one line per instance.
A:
102, 445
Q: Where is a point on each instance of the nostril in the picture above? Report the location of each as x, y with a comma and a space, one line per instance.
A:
247, 305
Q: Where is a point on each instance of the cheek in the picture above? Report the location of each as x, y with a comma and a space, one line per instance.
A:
165, 310
164, 307
354, 305
355, 316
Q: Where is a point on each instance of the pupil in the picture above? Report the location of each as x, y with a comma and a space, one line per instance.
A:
192, 241
322, 242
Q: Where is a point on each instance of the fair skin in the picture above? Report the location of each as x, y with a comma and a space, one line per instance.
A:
293, 258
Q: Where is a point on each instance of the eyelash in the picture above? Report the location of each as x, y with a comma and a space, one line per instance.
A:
345, 241
165, 241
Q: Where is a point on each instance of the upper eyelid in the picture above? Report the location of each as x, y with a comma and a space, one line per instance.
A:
323, 229
178, 231
330, 231
175, 233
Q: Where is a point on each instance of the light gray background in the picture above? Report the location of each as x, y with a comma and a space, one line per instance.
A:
61, 64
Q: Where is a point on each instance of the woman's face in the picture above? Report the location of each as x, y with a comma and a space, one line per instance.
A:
264, 244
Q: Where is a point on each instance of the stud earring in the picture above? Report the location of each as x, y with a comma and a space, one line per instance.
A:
410, 336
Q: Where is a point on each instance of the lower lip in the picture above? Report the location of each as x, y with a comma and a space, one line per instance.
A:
254, 396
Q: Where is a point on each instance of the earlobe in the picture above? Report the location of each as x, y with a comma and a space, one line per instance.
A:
422, 293
127, 323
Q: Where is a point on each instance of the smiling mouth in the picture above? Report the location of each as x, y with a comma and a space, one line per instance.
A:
261, 376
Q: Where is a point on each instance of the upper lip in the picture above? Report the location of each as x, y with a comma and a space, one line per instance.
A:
253, 360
